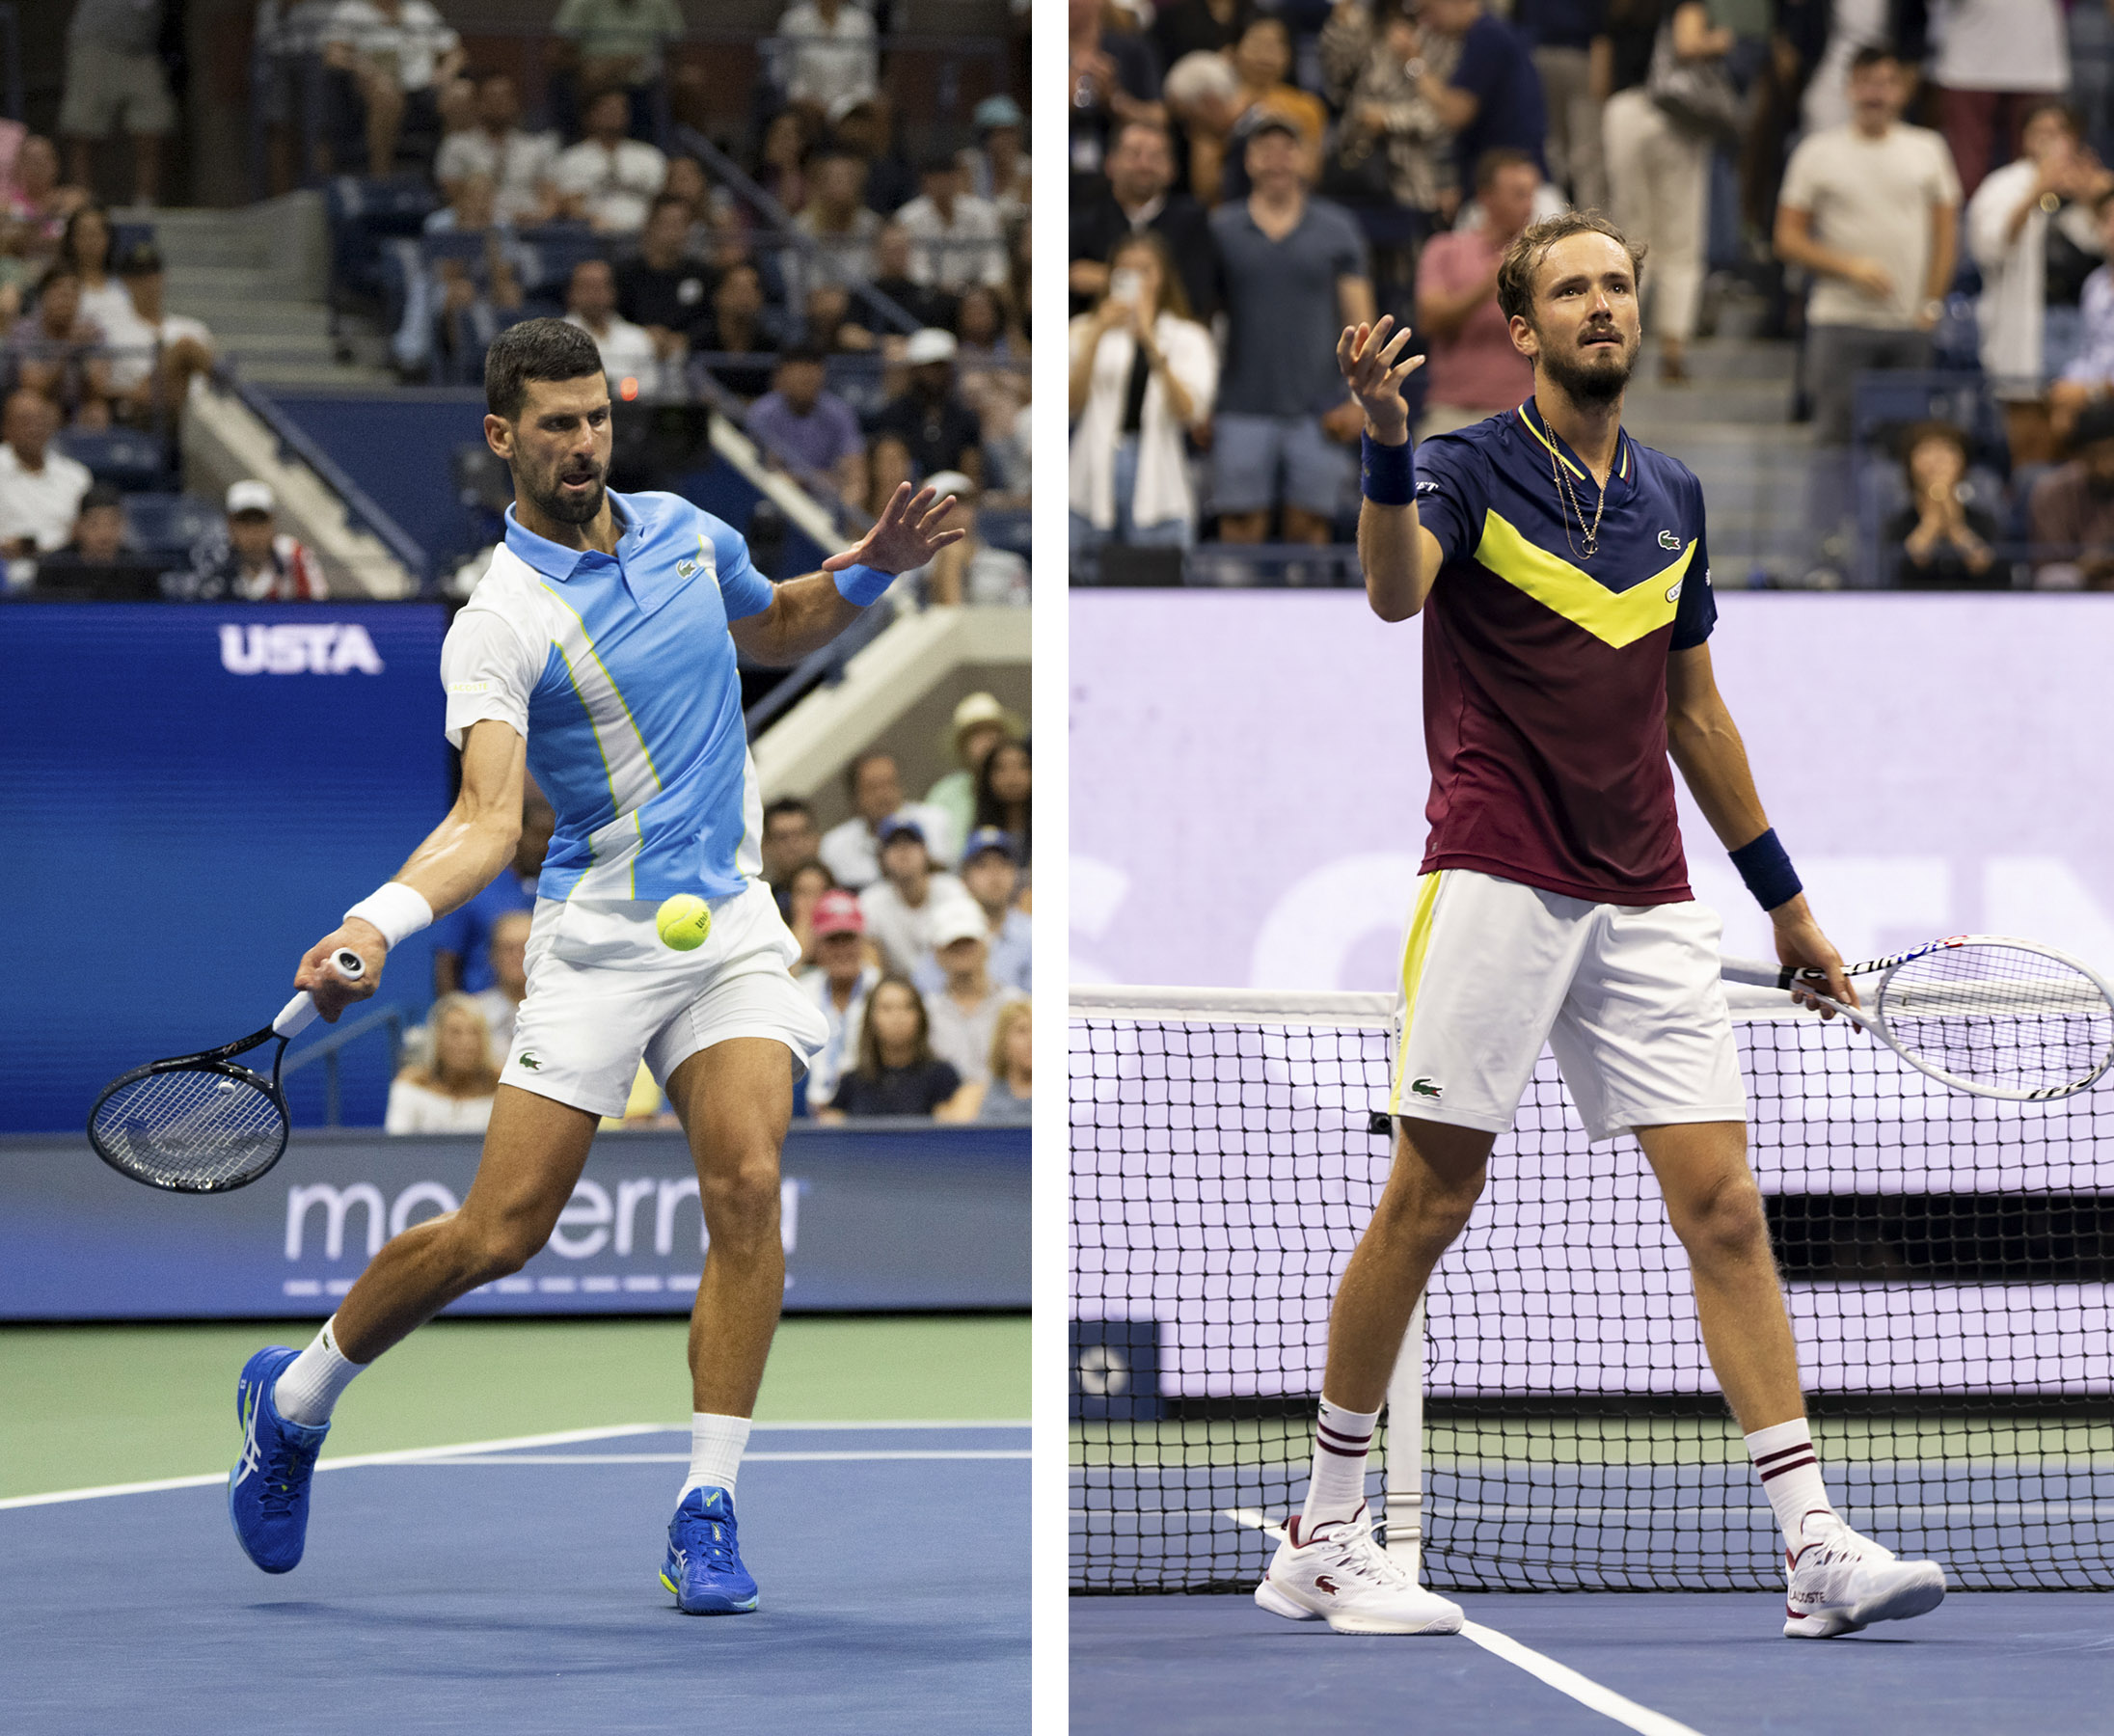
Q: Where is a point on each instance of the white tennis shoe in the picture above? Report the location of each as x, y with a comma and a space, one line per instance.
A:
1340, 1575
1840, 1582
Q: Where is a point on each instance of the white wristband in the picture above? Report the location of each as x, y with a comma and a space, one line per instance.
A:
395, 909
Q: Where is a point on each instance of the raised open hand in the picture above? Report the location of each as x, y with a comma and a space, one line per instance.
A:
1373, 371
906, 535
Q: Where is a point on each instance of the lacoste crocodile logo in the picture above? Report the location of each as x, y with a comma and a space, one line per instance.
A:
530, 1062
1422, 1087
1668, 540
1322, 1582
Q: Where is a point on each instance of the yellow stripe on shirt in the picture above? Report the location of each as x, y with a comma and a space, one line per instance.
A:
1617, 618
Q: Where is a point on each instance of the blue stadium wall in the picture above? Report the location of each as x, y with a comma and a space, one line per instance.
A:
190, 797
401, 448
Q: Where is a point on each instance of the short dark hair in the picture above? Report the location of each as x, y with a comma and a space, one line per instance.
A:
786, 804
859, 762
102, 494
1496, 161
1922, 433
1157, 128
2072, 121
1873, 54
1524, 257
535, 349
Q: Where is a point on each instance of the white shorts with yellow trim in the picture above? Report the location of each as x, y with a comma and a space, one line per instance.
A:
605, 990
1628, 997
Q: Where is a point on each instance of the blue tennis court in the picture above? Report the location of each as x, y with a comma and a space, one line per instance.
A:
1983, 1664
512, 1585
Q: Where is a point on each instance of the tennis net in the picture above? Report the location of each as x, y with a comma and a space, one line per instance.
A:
1948, 1264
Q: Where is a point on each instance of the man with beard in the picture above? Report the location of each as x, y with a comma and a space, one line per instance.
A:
1562, 573
599, 650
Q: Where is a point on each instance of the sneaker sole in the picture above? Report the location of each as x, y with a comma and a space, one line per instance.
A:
1279, 1603
723, 1609
1917, 1596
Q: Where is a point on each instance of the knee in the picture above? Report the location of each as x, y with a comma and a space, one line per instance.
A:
741, 1201
1723, 1223
1433, 1213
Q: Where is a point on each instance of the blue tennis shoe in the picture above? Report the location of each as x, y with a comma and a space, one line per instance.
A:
704, 1565
268, 1489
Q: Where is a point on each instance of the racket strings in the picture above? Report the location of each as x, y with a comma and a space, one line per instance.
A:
191, 1129
2001, 1016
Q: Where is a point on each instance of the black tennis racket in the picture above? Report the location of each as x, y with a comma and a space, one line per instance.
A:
200, 1124
1987, 1013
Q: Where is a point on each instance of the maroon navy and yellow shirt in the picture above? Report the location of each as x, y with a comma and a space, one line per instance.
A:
1545, 671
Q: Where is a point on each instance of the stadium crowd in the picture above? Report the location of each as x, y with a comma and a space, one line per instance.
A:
913, 920
1912, 191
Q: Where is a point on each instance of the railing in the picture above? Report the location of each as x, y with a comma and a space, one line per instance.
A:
331, 1047
360, 507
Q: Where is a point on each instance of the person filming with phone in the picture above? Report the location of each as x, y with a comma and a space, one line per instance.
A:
1143, 373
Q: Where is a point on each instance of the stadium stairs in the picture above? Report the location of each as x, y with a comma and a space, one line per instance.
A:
1731, 425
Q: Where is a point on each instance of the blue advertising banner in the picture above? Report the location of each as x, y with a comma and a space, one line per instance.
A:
882, 1215
189, 797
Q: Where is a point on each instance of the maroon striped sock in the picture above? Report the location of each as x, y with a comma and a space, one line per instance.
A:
1337, 1488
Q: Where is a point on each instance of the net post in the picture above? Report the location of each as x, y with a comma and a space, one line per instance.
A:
1404, 1473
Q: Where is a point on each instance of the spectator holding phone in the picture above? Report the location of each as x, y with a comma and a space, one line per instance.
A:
1144, 374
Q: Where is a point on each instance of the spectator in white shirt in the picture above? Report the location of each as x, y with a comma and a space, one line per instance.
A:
41, 490
900, 907
500, 1004
830, 54
155, 352
454, 1092
964, 1010
851, 850
627, 350
956, 238
519, 163
840, 980
402, 56
607, 180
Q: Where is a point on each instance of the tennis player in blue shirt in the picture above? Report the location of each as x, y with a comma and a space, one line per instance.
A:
599, 651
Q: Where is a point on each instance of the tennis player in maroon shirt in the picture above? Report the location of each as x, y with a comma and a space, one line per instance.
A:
1563, 577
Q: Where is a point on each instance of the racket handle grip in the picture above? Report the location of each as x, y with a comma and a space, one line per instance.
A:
298, 1013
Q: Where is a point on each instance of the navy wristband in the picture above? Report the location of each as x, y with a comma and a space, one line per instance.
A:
863, 584
1387, 474
1768, 871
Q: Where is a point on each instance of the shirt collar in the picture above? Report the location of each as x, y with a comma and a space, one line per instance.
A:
1553, 442
650, 584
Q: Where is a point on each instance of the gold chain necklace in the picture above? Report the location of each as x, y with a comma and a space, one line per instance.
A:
1568, 495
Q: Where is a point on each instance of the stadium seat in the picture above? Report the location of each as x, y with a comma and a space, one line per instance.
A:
123, 457
167, 524
364, 211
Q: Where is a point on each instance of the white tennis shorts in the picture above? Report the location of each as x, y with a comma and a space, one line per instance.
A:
1628, 997
605, 990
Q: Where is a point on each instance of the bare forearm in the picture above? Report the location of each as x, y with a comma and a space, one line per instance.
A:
1796, 246
1390, 555
1944, 251
1442, 312
1706, 746
805, 614
460, 857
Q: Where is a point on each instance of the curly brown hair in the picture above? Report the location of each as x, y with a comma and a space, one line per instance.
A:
1531, 246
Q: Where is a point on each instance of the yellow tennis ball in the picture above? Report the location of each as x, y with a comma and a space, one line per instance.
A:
684, 921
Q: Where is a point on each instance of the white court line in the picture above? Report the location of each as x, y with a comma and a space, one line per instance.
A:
1582, 1689
747, 1459
1560, 1676
413, 1455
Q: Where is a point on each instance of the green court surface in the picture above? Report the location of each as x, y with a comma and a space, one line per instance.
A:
92, 1404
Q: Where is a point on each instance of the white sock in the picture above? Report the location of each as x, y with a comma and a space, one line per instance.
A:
1337, 1488
716, 1445
308, 1390
1790, 1471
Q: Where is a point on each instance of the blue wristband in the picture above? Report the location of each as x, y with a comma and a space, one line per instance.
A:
1387, 473
863, 584
1768, 871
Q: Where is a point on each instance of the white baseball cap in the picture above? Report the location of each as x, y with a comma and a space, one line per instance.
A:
250, 497
932, 344
957, 919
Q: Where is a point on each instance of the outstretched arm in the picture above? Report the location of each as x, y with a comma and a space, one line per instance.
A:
807, 612
1399, 557
1706, 746
458, 860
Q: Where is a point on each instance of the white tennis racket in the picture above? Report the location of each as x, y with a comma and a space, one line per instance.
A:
1987, 1013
